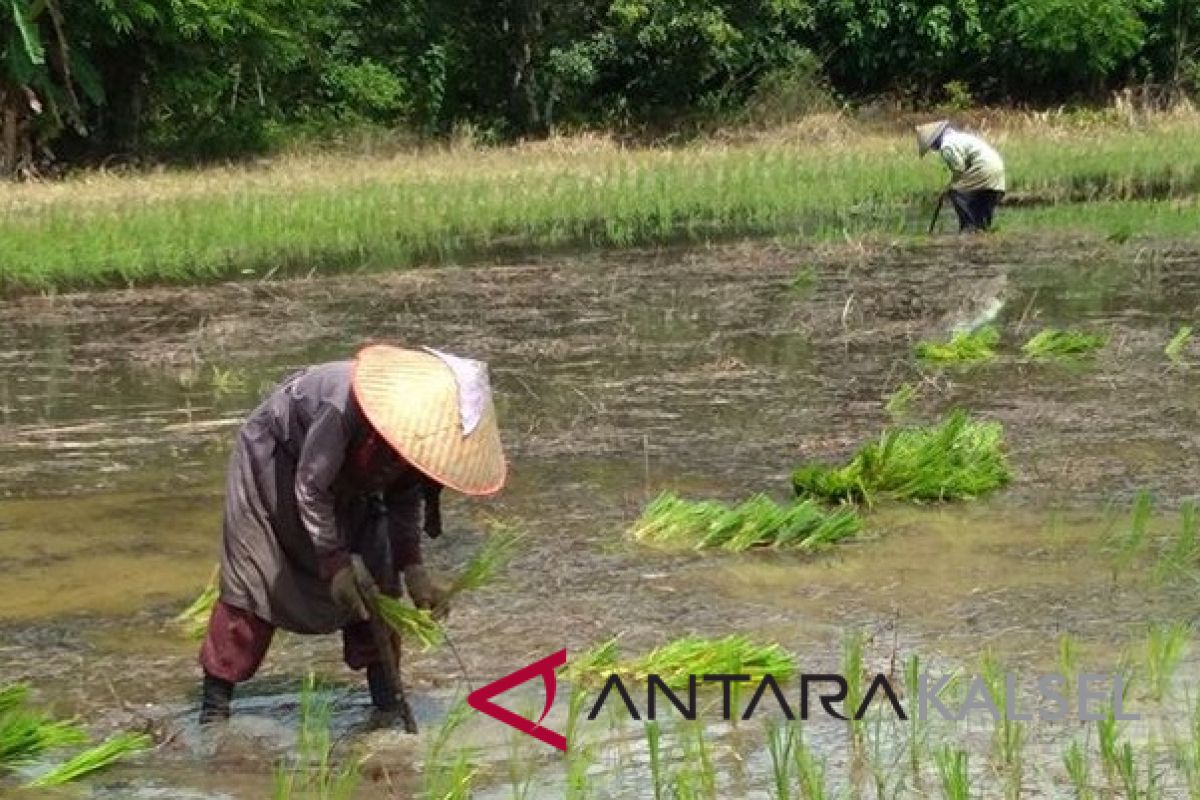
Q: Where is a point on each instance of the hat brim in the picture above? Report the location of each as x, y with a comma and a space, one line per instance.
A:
411, 398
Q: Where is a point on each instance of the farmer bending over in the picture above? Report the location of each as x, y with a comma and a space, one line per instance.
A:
346, 458
976, 172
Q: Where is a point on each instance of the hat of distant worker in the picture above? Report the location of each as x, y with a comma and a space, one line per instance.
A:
436, 411
928, 134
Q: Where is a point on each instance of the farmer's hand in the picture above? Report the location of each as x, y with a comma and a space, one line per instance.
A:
424, 593
347, 596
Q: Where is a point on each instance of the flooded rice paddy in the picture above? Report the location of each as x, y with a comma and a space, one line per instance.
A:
712, 372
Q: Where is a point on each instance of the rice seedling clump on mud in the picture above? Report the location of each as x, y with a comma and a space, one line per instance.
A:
1055, 343
757, 522
963, 348
957, 459
692, 655
27, 735
95, 758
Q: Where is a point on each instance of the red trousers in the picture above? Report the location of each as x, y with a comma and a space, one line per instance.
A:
237, 642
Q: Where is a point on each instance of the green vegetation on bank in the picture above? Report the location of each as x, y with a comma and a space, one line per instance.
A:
304, 216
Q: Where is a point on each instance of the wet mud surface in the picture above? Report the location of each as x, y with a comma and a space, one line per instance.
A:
713, 372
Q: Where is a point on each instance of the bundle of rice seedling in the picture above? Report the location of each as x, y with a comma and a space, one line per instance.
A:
95, 758
963, 347
13, 696
409, 621
757, 522
25, 735
691, 655
497, 551
1175, 347
959, 458
1055, 343
193, 620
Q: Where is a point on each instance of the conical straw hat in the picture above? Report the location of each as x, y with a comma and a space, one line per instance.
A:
421, 406
928, 133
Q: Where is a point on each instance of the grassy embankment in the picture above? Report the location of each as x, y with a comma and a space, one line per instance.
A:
297, 215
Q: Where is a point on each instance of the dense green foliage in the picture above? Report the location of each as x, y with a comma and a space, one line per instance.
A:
217, 77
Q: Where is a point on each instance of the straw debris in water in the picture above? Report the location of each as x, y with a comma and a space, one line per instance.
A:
957, 459
757, 522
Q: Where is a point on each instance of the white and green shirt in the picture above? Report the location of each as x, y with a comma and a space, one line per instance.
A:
974, 164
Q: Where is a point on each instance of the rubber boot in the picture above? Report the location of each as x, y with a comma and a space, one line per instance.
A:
215, 697
383, 691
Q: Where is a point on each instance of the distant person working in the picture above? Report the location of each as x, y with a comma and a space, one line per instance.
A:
976, 173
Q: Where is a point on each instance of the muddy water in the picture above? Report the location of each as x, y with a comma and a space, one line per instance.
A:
712, 372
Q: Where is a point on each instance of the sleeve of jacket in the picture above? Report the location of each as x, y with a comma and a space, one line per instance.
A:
321, 458
404, 519
955, 159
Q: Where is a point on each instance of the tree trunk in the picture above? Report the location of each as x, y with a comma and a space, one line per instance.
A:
526, 20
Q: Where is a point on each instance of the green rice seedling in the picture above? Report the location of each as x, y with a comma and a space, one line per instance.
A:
780, 743
810, 770
501, 544
581, 754
312, 774
697, 753
1068, 661
1075, 760
953, 772
1179, 342
918, 730
1181, 556
697, 655
1187, 753
1124, 545
25, 735
409, 621
654, 750
13, 695
963, 348
757, 522
1166, 646
1008, 738
1127, 768
899, 403
956, 459
1055, 343
853, 670
1107, 737
448, 775
94, 759
193, 620
520, 765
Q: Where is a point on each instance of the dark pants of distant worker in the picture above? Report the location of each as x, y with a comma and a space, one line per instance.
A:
975, 209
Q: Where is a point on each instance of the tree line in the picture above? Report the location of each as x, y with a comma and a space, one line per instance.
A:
214, 78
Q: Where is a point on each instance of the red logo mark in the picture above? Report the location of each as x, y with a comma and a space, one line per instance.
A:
481, 698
